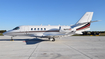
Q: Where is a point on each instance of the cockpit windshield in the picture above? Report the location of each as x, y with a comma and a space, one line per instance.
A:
16, 28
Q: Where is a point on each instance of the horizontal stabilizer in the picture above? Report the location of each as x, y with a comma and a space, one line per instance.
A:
95, 21
89, 22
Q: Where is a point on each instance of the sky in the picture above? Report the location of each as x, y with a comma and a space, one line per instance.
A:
15, 13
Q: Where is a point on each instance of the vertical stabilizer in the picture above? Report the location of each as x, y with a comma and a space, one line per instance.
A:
86, 18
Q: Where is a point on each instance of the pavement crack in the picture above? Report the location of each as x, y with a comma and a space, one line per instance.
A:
33, 51
78, 51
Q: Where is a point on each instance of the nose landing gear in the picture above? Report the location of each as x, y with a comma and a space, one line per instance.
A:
11, 39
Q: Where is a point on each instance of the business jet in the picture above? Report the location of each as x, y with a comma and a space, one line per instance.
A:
52, 32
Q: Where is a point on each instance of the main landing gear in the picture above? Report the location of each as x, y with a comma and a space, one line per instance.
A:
52, 39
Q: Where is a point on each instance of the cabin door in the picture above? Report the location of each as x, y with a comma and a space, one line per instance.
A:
26, 30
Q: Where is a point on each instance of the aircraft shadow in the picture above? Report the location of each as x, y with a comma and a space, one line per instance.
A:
27, 41
33, 41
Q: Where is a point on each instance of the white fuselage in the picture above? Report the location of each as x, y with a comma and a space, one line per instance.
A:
38, 31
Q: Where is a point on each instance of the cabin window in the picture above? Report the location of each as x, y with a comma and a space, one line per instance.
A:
16, 28
34, 28
41, 28
31, 28
38, 28
44, 28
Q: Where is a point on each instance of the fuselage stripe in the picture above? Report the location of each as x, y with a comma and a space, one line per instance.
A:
87, 25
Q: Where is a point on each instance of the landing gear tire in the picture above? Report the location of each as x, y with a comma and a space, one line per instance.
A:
52, 39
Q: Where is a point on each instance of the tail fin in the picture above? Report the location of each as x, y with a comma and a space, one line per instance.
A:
84, 23
86, 18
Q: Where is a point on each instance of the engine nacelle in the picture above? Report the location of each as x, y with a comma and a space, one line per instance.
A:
63, 29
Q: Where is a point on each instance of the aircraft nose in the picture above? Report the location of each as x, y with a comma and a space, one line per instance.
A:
5, 33
8, 33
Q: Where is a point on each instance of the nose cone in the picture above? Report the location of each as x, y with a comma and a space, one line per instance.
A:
5, 33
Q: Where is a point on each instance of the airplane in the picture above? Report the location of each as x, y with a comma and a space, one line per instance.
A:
52, 32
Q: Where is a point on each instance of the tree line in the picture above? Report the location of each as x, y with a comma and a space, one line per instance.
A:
2, 31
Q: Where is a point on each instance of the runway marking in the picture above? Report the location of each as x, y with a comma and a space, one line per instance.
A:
77, 51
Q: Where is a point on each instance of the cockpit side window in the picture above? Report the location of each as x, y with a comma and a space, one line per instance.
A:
16, 28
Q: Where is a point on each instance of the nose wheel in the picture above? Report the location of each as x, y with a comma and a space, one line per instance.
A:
52, 39
11, 39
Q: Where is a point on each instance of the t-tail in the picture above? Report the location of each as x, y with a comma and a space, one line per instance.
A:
83, 24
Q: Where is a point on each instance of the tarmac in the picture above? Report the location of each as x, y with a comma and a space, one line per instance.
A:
74, 47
